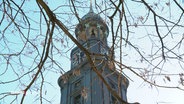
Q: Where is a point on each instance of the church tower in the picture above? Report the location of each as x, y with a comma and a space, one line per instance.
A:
81, 85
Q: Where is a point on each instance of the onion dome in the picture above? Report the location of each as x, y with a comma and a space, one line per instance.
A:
91, 26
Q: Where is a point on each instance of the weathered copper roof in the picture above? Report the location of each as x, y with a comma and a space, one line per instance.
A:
91, 15
90, 19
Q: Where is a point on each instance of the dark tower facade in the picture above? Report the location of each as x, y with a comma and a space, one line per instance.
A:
81, 85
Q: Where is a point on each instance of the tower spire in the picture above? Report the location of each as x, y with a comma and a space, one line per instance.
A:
91, 6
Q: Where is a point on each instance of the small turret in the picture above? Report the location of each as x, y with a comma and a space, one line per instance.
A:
90, 26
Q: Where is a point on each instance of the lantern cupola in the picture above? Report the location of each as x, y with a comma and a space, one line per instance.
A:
91, 26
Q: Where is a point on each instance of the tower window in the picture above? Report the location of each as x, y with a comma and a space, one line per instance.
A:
92, 33
103, 30
78, 99
82, 56
77, 84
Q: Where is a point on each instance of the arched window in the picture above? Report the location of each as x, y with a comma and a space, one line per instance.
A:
92, 33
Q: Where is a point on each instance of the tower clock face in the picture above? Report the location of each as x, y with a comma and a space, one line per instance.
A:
78, 57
